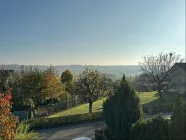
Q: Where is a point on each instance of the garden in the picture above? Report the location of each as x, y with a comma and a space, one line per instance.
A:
122, 104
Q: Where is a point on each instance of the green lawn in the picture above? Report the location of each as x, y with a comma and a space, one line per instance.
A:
81, 109
153, 98
147, 98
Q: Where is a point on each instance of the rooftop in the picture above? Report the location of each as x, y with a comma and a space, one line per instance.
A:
181, 65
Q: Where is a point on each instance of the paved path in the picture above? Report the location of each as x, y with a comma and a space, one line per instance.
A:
167, 115
77, 130
70, 132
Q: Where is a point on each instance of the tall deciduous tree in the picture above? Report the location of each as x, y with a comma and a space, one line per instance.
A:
122, 110
38, 86
66, 78
6, 78
158, 68
143, 83
92, 84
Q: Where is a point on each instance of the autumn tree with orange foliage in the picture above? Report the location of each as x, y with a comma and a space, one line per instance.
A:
7, 120
37, 86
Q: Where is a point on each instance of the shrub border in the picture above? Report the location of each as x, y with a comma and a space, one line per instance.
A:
44, 123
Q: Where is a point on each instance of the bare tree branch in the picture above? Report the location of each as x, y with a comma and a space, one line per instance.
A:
159, 68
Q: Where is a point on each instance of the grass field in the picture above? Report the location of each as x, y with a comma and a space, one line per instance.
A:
81, 109
153, 98
145, 98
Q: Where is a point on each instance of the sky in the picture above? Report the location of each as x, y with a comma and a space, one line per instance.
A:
89, 32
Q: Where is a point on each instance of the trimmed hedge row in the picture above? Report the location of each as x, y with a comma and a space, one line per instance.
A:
56, 121
64, 120
157, 108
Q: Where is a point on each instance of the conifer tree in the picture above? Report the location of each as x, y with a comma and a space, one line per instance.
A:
122, 110
178, 128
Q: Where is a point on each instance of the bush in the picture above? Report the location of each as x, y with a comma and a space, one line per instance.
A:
56, 121
178, 128
157, 128
22, 132
7, 120
100, 133
122, 110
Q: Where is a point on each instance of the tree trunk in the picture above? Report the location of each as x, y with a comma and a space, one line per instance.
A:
160, 94
31, 112
36, 106
90, 106
66, 102
35, 110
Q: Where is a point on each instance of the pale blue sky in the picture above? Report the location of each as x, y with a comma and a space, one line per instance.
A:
92, 32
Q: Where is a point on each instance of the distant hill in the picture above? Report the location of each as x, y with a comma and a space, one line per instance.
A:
113, 72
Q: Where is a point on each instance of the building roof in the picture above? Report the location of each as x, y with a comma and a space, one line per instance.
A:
181, 65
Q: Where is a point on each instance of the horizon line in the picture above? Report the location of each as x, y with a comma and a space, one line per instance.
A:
64, 65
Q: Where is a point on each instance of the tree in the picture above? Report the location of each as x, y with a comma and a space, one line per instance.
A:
158, 68
67, 80
17, 92
116, 84
122, 110
91, 84
6, 78
178, 118
156, 128
143, 83
36, 86
66, 77
7, 120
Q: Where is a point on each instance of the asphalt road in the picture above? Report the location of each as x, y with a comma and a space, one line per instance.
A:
77, 130
70, 132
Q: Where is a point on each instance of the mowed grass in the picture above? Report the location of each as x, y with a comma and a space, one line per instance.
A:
152, 98
81, 109
145, 98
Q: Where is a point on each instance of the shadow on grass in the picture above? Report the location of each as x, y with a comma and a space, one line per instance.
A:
158, 105
167, 98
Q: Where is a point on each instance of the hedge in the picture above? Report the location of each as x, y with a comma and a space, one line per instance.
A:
156, 128
64, 120
157, 108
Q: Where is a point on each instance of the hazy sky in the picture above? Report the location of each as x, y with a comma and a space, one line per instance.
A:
92, 32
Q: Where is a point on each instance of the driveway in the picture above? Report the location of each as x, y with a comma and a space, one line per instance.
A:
166, 115
78, 130
70, 132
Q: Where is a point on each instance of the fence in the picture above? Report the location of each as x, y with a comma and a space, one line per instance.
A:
65, 104
74, 101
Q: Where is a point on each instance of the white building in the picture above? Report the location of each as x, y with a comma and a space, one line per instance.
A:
180, 85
